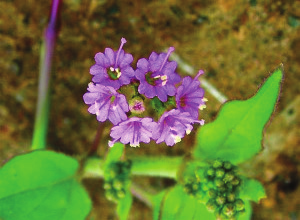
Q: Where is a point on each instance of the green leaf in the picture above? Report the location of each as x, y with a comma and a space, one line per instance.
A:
114, 153
124, 206
175, 204
42, 185
252, 190
236, 134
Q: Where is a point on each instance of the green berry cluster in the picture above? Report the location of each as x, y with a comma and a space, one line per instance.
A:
117, 180
217, 186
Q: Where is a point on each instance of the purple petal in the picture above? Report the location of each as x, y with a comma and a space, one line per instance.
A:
110, 54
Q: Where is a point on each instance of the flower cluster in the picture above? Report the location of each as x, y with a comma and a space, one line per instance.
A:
218, 187
151, 102
117, 180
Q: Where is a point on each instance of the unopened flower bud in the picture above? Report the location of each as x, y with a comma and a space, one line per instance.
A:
217, 164
239, 205
228, 210
231, 197
121, 193
220, 200
228, 177
107, 186
227, 165
235, 181
219, 182
211, 205
117, 184
212, 193
220, 173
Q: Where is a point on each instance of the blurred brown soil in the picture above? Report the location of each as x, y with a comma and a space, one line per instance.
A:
238, 43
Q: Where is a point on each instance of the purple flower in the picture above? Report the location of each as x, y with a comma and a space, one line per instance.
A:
189, 96
157, 76
113, 68
173, 125
133, 131
106, 103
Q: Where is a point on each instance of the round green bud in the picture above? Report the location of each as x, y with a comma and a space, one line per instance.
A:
110, 195
212, 193
196, 186
220, 200
228, 210
235, 181
107, 186
219, 183
220, 173
239, 205
205, 187
228, 177
210, 173
227, 165
217, 164
230, 197
211, 205
117, 184
112, 173
121, 193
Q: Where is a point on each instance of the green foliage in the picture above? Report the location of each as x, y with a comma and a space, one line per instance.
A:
117, 180
175, 204
114, 153
42, 185
124, 206
236, 134
252, 190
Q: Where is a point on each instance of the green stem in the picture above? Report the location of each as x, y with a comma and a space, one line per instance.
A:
143, 166
156, 166
43, 103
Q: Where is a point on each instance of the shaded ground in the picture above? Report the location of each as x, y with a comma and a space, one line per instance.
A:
237, 43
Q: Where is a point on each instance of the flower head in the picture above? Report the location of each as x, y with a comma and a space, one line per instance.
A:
157, 76
173, 125
113, 68
189, 96
133, 131
106, 103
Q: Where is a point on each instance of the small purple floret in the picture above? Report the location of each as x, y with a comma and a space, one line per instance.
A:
172, 126
157, 76
113, 68
189, 96
133, 131
106, 103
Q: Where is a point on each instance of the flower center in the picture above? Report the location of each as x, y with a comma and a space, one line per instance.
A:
156, 80
114, 73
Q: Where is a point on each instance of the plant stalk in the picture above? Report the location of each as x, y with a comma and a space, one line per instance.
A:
43, 103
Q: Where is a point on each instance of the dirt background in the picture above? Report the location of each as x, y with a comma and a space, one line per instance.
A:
238, 43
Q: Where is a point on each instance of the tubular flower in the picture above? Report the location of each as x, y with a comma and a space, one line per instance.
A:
113, 68
157, 76
106, 103
172, 126
133, 131
189, 96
